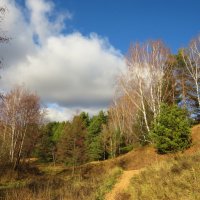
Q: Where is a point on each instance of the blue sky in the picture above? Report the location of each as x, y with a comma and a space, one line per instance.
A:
72, 51
124, 21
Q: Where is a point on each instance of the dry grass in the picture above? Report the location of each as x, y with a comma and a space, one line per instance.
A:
88, 183
177, 178
145, 156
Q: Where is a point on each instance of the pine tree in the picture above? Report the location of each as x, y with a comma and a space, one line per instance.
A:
85, 117
171, 131
95, 148
71, 146
47, 146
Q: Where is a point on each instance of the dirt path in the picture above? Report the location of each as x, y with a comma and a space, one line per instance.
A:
122, 184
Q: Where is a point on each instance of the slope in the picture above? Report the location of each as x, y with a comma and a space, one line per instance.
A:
134, 162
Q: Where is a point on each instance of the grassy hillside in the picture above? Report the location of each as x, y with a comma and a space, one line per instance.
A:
162, 177
145, 156
177, 178
50, 183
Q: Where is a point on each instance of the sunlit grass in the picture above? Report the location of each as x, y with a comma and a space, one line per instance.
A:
108, 183
177, 178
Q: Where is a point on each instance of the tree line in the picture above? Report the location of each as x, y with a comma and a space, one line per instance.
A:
75, 142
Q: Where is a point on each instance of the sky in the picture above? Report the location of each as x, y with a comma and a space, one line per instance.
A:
124, 21
71, 51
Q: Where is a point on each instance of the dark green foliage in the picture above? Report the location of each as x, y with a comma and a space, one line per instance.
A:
85, 118
82, 140
46, 147
50, 133
93, 139
171, 131
73, 142
95, 149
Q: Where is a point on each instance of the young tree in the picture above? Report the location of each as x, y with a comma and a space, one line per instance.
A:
93, 138
46, 147
71, 148
171, 131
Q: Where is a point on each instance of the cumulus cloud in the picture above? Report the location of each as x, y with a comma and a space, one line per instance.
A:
72, 70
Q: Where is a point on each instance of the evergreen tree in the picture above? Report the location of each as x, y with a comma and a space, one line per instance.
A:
95, 148
58, 130
185, 89
46, 147
86, 119
171, 131
71, 146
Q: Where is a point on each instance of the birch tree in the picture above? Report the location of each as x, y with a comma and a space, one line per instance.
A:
20, 116
145, 77
123, 117
191, 58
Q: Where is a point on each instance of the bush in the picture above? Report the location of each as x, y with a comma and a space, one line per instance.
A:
171, 130
126, 149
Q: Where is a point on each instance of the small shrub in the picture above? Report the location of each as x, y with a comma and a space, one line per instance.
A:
126, 149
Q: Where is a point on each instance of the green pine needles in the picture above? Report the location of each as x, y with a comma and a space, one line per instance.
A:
171, 131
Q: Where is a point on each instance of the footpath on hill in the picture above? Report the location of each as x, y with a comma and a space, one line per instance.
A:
149, 156
122, 184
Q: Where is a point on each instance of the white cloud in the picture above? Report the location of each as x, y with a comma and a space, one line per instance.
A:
70, 70
40, 11
15, 26
73, 71
57, 113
